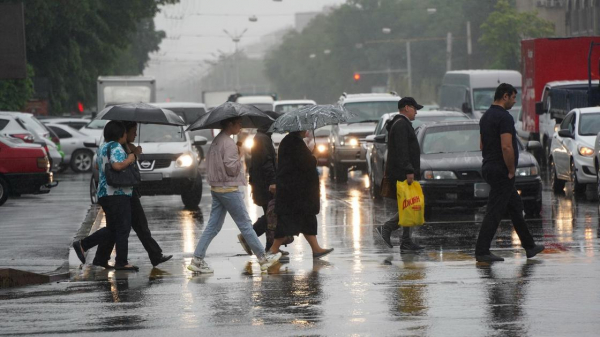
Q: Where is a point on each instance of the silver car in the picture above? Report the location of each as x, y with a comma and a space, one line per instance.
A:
72, 142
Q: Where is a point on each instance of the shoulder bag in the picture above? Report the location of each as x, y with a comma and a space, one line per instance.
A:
128, 177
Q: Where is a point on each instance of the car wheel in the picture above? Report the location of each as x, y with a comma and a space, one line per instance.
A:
191, 198
576, 187
532, 208
93, 190
375, 189
3, 191
81, 161
556, 184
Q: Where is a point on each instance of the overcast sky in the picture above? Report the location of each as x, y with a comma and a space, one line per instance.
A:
194, 30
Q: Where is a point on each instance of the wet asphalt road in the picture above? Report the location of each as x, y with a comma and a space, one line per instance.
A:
363, 288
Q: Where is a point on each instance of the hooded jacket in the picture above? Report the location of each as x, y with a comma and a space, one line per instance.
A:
404, 153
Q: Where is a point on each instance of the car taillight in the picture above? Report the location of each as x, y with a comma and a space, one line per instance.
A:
55, 140
43, 163
26, 137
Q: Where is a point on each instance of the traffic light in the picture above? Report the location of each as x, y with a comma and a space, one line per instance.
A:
356, 77
80, 107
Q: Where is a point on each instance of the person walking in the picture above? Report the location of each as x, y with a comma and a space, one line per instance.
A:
139, 222
500, 157
297, 196
403, 163
225, 175
115, 201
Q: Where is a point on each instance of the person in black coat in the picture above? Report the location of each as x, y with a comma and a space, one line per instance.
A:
403, 163
297, 196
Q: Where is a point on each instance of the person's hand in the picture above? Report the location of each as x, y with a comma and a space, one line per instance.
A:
137, 150
511, 175
410, 178
272, 188
239, 147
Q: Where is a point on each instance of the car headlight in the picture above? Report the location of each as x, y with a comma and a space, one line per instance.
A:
350, 141
585, 151
249, 143
526, 171
185, 160
321, 148
439, 175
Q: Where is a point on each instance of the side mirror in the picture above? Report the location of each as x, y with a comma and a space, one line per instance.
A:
466, 108
539, 108
199, 141
533, 145
370, 139
565, 133
379, 139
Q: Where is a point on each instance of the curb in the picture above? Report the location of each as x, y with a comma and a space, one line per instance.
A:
10, 278
91, 223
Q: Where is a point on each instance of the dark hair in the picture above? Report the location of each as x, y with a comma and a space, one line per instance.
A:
113, 131
224, 123
129, 125
503, 89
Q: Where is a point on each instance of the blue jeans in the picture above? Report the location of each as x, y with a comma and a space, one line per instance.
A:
232, 202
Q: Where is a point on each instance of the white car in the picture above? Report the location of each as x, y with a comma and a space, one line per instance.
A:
572, 150
75, 123
290, 105
94, 129
72, 143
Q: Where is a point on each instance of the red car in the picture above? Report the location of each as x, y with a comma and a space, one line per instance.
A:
24, 169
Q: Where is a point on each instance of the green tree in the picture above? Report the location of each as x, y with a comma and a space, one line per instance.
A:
15, 93
504, 29
72, 42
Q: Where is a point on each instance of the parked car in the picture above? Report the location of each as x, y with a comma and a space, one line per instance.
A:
168, 165
377, 152
451, 167
347, 145
75, 123
572, 150
41, 135
77, 155
24, 169
94, 129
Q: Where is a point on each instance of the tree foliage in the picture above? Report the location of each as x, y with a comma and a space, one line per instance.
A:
72, 42
14, 93
352, 33
505, 28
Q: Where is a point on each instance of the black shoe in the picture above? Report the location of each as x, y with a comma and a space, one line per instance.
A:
385, 234
409, 247
488, 258
534, 251
79, 251
162, 259
320, 255
103, 265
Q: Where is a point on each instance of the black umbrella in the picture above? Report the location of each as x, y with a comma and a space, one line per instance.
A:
141, 113
252, 117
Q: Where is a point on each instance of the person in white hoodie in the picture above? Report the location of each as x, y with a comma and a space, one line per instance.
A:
225, 176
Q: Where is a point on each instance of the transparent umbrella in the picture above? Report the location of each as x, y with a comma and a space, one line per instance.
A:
311, 117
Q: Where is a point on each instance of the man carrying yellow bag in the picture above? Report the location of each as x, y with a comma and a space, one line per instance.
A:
403, 166
411, 204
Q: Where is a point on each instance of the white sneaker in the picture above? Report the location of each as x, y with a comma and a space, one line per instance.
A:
199, 266
268, 260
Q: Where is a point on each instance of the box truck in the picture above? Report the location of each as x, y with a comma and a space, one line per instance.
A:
114, 90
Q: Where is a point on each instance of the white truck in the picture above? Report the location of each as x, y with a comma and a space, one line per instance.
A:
125, 89
215, 98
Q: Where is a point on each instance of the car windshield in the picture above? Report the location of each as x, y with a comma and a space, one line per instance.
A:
289, 107
370, 111
429, 119
589, 124
483, 98
154, 133
36, 125
451, 139
97, 124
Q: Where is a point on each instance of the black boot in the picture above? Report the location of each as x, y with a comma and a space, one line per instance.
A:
385, 232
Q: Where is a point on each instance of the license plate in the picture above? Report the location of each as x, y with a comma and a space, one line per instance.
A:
481, 190
151, 176
451, 196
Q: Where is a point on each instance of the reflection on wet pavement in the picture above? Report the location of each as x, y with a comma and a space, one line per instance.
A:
363, 288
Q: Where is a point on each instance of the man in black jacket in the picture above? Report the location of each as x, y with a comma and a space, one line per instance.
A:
403, 163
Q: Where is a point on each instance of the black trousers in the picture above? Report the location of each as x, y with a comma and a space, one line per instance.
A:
139, 224
117, 209
503, 197
260, 227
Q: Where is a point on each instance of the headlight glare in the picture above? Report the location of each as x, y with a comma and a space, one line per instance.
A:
439, 175
351, 141
249, 143
321, 148
585, 151
185, 160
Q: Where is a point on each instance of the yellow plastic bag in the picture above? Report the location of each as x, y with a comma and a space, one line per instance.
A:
411, 204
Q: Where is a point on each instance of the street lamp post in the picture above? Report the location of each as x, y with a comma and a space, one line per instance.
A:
236, 39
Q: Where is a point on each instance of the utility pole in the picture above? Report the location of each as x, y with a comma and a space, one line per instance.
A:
408, 68
449, 51
469, 46
236, 39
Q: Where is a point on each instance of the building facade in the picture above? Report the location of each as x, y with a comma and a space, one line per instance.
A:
570, 17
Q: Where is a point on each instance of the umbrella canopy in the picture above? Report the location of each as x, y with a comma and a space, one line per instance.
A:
310, 117
141, 113
251, 116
